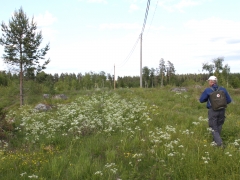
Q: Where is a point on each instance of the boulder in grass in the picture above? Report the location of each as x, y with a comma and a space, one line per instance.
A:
197, 86
46, 96
181, 89
42, 107
60, 96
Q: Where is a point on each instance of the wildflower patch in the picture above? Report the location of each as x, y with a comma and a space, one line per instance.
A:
100, 113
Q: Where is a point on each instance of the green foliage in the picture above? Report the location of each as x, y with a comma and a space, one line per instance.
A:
220, 71
6, 126
9, 95
235, 81
21, 47
188, 82
3, 78
126, 134
128, 82
146, 76
21, 43
162, 70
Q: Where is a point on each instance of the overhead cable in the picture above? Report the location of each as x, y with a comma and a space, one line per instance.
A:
152, 17
143, 27
129, 55
146, 15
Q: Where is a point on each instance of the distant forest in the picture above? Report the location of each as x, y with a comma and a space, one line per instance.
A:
71, 81
41, 82
36, 85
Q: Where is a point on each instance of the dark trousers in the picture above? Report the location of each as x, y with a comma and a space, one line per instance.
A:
216, 120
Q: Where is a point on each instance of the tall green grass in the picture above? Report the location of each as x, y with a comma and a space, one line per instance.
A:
122, 134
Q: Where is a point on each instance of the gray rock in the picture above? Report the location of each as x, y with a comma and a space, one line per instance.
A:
42, 107
46, 96
60, 96
197, 86
180, 89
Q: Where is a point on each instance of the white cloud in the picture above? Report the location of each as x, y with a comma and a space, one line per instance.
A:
216, 29
178, 5
117, 26
209, 38
97, 1
44, 22
133, 7
185, 3
95, 55
200, 41
45, 19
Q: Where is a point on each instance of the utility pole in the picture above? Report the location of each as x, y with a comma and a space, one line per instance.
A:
141, 60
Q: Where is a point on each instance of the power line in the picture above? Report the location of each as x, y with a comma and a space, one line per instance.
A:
146, 15
129, 55
153, 17
143, 27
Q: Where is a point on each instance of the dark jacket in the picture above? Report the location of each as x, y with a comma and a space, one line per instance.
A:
205, 95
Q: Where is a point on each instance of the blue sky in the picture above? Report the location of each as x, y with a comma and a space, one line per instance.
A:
93, 35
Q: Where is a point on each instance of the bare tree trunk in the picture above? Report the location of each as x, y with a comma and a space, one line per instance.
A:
21, 86
162, 80
21, 77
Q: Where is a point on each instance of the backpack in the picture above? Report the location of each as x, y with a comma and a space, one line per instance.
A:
218, 99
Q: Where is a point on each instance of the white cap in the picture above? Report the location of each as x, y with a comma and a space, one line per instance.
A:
212, 78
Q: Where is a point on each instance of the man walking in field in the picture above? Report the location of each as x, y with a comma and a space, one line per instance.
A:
217, 99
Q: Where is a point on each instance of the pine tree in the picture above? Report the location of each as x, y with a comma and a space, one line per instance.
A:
21, 46
170, 70
162, 69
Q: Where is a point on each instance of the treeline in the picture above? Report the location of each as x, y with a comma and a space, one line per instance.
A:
233, 80
70, 83
56, 83
61, 82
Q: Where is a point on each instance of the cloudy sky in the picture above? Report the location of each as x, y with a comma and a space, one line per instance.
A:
93, 35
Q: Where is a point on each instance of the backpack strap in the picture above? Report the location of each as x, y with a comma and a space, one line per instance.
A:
216, 89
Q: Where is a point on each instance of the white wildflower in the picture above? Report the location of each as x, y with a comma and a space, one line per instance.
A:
33, 176
98, 173
195, 123
23, 174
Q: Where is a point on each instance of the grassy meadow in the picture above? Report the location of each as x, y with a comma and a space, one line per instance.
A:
126, 134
